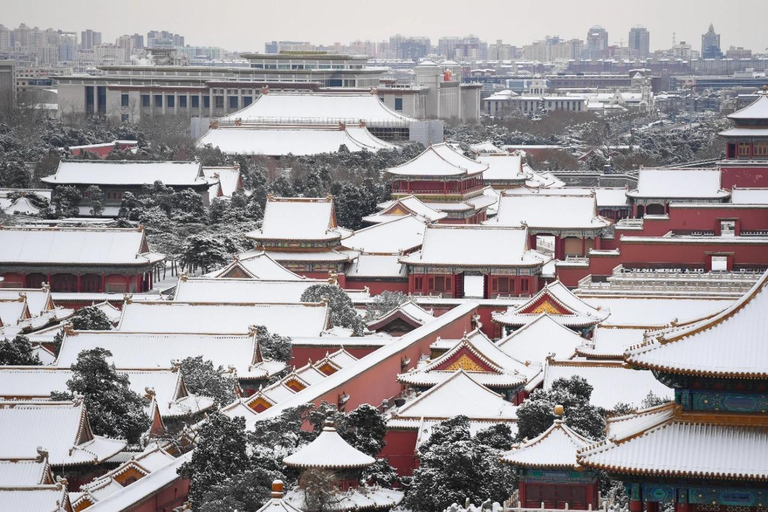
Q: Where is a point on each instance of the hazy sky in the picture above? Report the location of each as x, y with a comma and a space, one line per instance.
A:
247, 24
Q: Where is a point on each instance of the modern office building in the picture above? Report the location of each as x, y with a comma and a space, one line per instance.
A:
710, 44
640, 40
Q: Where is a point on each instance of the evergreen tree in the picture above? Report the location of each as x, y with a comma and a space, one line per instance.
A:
66, 201
17, 351
113, 408
274, 346
202, 378
343, 313
90, 318
95, 200
14, 174
203, 251
385, 302
221, 453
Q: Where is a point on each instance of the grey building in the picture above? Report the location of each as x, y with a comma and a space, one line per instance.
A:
640, 40
7, 84
710, 44
89, 38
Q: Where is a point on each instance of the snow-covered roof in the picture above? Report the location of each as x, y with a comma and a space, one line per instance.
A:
439, 160
297, 219
224, 318
329, 451
60, 428
228, 178
136, 492
654, 312
355, 498
460, 394
257, 265
683, 446
408, 205
376, 265
320, 108
540, 338
758, 109
411, 311
486, 148
559, 303
612, 382
276, 503
50, 498
541, 179
749, 195
610, 342
142, 351
293, 140
543, 210
503, 167
482, 359
13, 311
241, 291
556, 447
24, 472
112, 313
21, 206
75, 246
728, 344
127, 172
472, 245
399, 235
679, 184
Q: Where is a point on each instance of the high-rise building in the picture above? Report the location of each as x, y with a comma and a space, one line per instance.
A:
710, 44
410, 48
640, 40
164, 39
597, 43
89, 39
67, 46
5, 38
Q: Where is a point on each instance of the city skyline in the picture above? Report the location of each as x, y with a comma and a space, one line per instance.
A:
687, 20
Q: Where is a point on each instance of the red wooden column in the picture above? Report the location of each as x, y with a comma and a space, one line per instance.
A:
635, 506
23, 280
651, 506
79, 283
127, 284
102, 283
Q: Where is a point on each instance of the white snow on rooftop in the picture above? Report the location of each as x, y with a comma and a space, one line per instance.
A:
328, 450
78, 246
241, 291
315, 108
112, 172
285, 140
182, 317
23, 473
394, 236
749, 195
544, 210
258, 265
656, 311
540, 338
297, 219
758, 109
439, 160
556, 447
377, 265
228, 178
502, 167
679, 183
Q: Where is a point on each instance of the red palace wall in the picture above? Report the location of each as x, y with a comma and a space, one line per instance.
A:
102, 151
376, 287
171, 496
743, 177
400, 450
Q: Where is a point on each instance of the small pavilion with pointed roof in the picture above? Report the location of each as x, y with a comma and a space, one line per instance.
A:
445, 180
330, 452
707, 451
746, 146
549, 471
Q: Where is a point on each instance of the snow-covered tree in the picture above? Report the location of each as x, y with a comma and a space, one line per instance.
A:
455, 467
17, 351
385, 302
66, 200
274, 346
243, 492
14, 174
114, 409
537, 414
204, 379
221, 452
95, 199
90, 318
343, 313
203, 251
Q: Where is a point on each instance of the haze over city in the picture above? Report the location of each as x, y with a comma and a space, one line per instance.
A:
243, 25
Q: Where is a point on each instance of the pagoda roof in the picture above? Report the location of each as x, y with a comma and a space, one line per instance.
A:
329, 451
257, 265
556, 447
459, 394
320, 108
671, 443
439, 160
729, 344
293, 218
612, 382
480, 358
290, 139
408, 205
540, 210
129, 173
757, 110
679, 184
75, 246
295, 319
400, 235
409, 312
540, 338
474, 246
559, 303
60, 428
236, 291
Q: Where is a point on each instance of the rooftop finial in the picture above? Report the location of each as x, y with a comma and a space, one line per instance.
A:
559, 411
277, 489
